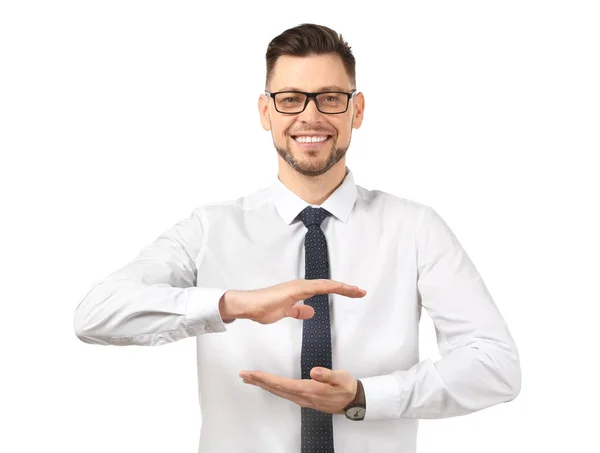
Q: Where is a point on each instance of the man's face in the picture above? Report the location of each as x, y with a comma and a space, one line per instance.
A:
311, 73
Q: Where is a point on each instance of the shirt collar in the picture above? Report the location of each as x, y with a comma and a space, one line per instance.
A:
339, 203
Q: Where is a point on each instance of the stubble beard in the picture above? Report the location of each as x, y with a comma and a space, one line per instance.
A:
308, 167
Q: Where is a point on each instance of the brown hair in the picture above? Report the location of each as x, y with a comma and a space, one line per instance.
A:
307, 39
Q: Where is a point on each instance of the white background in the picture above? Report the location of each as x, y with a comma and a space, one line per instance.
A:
117, 118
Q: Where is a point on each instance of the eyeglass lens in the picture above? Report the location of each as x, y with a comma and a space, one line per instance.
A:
292, 102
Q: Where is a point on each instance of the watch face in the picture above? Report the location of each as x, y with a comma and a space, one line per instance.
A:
356, 413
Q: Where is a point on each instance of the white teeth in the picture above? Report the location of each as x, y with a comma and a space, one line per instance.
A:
310, 139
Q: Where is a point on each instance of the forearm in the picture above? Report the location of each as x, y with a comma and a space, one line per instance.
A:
471, 377
125, 312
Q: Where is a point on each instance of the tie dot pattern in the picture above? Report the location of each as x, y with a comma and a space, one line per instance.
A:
316, 426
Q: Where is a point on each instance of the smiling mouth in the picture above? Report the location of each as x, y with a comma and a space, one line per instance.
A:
312, 144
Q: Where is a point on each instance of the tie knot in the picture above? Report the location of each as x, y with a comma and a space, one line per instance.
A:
313, 216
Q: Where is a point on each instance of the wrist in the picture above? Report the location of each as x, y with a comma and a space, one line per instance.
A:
229, 306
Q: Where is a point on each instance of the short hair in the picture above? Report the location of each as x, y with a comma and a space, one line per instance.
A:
310, 39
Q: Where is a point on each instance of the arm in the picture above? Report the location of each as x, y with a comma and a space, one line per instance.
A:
153, 299
479, 365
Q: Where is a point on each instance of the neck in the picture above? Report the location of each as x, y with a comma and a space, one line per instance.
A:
312, 189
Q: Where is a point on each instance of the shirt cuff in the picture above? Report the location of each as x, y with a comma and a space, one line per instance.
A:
202, 312
382, 397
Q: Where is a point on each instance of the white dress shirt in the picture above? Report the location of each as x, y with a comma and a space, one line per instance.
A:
400, 251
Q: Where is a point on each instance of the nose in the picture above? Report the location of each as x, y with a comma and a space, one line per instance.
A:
311, 110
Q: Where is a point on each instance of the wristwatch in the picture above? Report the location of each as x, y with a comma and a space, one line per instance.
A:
357, 408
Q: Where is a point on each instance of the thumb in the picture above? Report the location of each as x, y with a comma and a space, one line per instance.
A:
324, 375
300, 312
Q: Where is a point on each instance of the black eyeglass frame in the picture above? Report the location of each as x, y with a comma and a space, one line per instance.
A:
314, 96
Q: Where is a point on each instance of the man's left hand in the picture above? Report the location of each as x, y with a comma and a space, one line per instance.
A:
328, 391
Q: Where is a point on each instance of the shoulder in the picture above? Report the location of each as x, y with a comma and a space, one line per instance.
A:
392, 206
234, 206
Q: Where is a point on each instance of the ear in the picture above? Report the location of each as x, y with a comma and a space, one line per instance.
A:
263, 111
359, 108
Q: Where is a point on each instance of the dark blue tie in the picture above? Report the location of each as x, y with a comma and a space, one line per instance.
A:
316, 427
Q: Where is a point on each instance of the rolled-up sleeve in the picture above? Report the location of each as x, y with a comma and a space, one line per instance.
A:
153, 299
479, 365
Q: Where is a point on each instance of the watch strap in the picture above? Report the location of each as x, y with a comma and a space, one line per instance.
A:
359, 398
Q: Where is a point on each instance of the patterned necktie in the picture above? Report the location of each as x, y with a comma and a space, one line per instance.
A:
316, 427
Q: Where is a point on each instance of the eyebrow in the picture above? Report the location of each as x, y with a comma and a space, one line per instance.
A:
325, 88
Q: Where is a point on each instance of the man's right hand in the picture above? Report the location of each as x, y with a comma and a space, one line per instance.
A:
269, 305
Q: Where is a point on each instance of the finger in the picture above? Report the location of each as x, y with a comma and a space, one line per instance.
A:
295, 398
281, 383
325, 286
343, 289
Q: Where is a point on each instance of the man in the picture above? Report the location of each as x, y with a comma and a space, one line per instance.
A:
305, 297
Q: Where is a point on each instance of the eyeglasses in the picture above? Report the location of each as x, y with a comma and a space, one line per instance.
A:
294, 102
